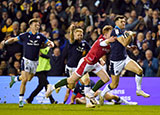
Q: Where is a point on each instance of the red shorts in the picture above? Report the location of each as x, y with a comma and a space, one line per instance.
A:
84, 67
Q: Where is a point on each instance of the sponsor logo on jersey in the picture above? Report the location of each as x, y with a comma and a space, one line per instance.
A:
33, 43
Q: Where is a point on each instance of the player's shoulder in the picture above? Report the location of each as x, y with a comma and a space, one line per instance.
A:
101, 38
41, 35
25, 33
84, 42
116, 31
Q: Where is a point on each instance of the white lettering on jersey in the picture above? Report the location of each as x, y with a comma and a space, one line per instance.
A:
33, 43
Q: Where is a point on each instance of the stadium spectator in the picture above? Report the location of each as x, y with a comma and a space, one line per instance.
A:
150, 64
57, 65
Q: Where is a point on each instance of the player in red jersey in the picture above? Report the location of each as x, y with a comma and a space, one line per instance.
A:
89, 63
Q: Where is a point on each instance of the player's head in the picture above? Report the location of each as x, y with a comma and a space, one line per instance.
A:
34, 24
78, 34
107, 30
120, 21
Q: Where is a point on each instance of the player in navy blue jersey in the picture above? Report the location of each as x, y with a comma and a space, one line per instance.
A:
74, 51
119, 59
31, 42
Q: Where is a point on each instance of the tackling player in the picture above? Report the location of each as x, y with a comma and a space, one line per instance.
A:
90, 63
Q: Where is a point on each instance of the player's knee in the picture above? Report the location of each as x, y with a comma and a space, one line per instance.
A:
71, 85
114, 86
29, 79
106, 80
24, 80
140, 71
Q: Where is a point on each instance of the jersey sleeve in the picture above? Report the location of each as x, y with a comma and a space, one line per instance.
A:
44, 39
21, 37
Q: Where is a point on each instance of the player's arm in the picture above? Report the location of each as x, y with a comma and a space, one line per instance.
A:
71, 33
126, 38
107, 41
9, 41
102, 60
50, 43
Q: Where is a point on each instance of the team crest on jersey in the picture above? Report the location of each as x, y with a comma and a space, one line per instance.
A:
38, 37
29, 36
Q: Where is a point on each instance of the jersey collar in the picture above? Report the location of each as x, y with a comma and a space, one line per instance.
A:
117, 27
32, 33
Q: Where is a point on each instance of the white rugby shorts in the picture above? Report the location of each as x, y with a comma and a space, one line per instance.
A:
116, 67
29, 65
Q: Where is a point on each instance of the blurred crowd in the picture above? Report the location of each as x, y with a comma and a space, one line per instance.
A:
142, 17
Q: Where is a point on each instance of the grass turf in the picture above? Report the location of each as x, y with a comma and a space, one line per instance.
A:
50, 109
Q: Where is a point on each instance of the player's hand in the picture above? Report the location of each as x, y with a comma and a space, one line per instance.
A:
51, 44
112, 39
72, 26
2, 44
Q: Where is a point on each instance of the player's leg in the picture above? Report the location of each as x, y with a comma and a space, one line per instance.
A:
109, 87
99, 71
66, 95
116, 68
70, 82
24, 80
14, 79
134, 67
87, 87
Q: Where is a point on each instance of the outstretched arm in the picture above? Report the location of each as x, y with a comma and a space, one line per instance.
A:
9, 41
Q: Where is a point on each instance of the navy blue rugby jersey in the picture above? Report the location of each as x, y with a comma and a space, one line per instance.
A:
118, 51
76, 51
80, 88
31, 44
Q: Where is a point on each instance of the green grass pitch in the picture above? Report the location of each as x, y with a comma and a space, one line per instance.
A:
51, 109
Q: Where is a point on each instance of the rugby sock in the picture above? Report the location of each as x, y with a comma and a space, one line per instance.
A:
98, 85
121, 100
61, 83
17, 79
87, 88
138, 80
106, 89
21, 97
87, 100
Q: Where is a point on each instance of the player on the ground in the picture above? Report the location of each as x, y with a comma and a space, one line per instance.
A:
79, 89
89, 63
119, 59
31, 42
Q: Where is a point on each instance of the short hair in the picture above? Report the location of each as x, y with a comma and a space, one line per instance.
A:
33, 20
78, 30
106, 28
118, 17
